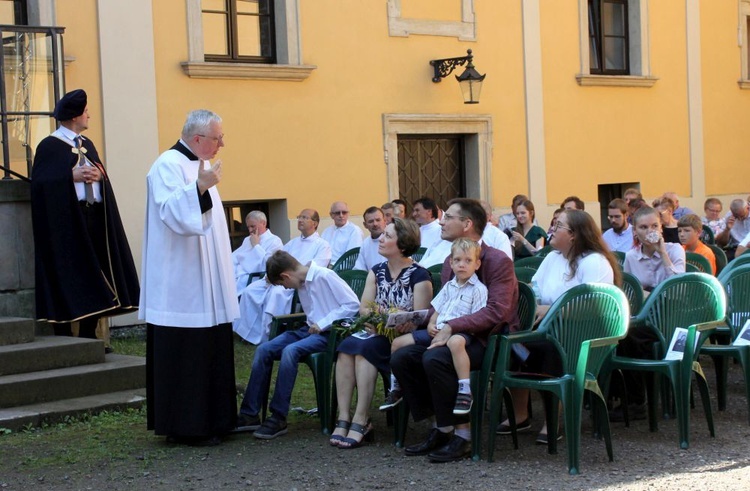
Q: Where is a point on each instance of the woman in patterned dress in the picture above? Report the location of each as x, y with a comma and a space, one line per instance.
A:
398, 283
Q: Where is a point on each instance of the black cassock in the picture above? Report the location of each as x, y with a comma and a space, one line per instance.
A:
84, 266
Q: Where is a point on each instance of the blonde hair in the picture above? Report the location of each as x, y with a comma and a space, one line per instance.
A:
466, 245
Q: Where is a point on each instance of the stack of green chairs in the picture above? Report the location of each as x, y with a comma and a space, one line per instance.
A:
584, 324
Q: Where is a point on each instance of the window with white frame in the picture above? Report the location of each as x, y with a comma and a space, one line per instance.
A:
251, 39
614, 43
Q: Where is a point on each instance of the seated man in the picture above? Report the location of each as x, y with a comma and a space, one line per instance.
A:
738, 226
426, 215
492, 235
400, 208
712, 209
743, 245
388, 212
679, 211
631, 194
620, 236
426, 374
689, 229
368, 252
325, 297
342, 235
260, 301
251, 256
573, 203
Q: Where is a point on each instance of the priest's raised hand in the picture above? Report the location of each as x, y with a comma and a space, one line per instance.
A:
210, 177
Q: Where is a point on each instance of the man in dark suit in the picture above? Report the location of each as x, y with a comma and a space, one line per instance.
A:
427, 375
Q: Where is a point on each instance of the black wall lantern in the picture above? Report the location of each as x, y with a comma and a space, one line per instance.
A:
470, 81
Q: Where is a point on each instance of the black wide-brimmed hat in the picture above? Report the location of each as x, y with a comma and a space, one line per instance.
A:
71, 105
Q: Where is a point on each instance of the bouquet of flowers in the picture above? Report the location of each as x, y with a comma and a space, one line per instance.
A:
376, 317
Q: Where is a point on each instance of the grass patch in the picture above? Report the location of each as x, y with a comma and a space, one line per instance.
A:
113, 438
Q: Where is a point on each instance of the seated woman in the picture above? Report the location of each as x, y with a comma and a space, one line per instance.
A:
579, 256
527, 238
666, 207
399, 283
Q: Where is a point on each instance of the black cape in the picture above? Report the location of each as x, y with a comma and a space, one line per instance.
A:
70, 282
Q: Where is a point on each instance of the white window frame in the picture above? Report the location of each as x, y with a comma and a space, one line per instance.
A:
464, 30
289, 66
743, 42
638, 37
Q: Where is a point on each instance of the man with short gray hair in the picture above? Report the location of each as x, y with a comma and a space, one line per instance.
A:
251, 256
343, 235
679, 211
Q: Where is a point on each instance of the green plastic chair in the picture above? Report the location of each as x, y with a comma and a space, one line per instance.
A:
737, 287
707, 236
584, 324
721, 258
356, 279
544, 251
529, 262
695, 301
479, 379
620, 256
524, 274
734, 263
634, 291
698, 261
437, 284
347, 260
417, 256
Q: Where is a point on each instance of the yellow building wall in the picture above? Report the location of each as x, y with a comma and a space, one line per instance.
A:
320, 140
726, 107
601, 135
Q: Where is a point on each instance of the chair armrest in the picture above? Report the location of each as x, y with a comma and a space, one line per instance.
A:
282, 323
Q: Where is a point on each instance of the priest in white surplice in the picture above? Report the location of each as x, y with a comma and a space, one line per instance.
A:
368, 252
258, 246
343, 234
188, 294
493, 236
260, 301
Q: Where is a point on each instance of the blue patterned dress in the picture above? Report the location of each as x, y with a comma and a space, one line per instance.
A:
398, 293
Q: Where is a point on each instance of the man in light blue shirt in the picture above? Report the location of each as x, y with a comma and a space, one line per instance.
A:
620, 236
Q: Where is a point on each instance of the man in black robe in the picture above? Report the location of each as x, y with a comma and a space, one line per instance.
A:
84, 268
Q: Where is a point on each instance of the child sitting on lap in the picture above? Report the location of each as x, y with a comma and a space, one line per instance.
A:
464, 294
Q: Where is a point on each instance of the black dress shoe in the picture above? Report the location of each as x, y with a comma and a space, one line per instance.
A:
456, 449
435, 439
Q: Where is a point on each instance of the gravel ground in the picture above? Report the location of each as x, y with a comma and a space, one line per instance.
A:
303, 460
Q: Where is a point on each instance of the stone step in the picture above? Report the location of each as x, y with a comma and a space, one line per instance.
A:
50, 352
16, 330
117, 373
33, 415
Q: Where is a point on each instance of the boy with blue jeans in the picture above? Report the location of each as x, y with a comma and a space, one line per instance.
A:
325, 297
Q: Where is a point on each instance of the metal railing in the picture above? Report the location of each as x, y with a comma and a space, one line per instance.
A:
31, 82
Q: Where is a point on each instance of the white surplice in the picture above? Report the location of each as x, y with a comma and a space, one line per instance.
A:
187, 279
247, 259
496, 238
368, 254
341, 239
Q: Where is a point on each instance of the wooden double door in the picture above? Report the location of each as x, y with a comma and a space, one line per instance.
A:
432, 166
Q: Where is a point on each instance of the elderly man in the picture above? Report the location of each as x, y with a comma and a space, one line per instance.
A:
342, 235
679, 211
631, 194
425, 213
738, 227
188, 295
492, 235
713, 219
84, 268
368, 252
400, 210
427, 375
251, 256
260, 301
619, 237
